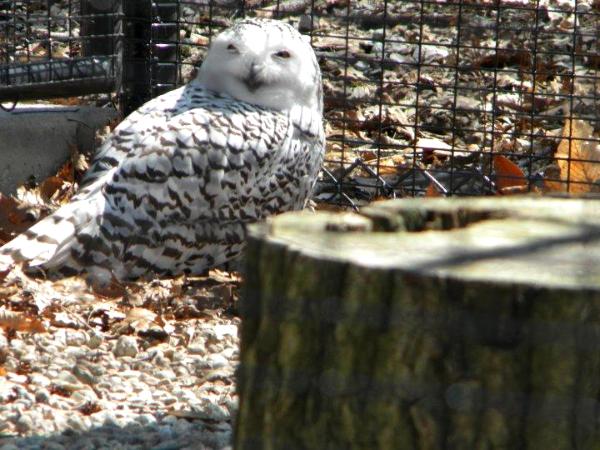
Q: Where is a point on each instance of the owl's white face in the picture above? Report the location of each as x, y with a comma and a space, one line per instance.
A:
264, 62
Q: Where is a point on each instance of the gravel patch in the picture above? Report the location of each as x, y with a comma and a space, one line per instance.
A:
146, 365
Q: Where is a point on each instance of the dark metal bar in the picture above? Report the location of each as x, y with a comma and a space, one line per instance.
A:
118, 46
66, 88
56, 70
164, 46
55, 78
136, 77
98, 25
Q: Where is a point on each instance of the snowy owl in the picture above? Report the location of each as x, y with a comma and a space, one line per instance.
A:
173, 187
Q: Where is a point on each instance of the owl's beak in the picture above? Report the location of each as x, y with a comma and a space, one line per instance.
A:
252, 80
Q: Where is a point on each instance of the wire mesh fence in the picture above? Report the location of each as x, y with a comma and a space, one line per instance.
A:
422, 97
56, 49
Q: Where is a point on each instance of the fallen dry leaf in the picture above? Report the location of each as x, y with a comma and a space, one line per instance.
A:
69, 101
13, 218
64, 320
49, 186
114, 289
89, 408
578, 159
141, 318
431, 191
433, 144
221, 276
391, 165
144, 323
67, 172
10, 320
509, 176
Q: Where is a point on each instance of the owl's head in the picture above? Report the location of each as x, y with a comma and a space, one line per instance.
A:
264, 62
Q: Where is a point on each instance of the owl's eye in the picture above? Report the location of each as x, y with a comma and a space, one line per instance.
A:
283, 54
232, 48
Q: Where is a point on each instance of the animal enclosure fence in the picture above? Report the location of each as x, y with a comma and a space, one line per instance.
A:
421, 97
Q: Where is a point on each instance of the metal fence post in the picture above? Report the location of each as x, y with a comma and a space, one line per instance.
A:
135, 55
150, 34
164, 51
97, 26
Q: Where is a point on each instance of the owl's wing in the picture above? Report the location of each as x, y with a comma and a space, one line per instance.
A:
187, 189
139, 123
179, 189
50, 243
191, 167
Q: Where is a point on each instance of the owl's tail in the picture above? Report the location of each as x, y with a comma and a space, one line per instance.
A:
53, 243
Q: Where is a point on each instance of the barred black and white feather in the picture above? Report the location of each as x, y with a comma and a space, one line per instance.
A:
172, 189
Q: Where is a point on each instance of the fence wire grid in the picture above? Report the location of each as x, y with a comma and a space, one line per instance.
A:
422, 97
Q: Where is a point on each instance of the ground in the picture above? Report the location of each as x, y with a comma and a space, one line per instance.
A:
464, 98
138, 365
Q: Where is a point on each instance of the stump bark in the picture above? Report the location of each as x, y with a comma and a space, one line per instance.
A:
424, 324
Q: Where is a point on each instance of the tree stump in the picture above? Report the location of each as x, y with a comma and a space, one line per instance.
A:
424, 324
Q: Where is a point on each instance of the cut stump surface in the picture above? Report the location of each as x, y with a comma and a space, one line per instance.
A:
424, 324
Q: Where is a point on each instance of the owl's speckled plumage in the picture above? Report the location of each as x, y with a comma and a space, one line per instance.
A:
172, 189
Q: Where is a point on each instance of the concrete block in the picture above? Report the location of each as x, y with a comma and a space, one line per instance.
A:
35, 140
